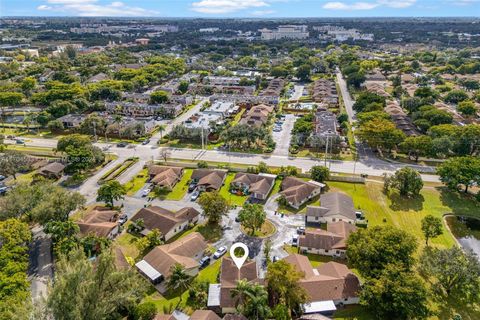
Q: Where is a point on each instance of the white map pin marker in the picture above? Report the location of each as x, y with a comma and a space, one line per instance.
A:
239, 261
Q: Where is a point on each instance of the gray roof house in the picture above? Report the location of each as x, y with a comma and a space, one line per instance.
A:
335, 206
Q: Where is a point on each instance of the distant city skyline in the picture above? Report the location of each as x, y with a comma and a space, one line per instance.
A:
242, 8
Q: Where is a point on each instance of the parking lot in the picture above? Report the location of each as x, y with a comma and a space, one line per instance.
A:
282, 138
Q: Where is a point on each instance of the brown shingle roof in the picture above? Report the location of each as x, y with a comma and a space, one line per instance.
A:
333, 238
162, 219
333, 203
256, 183
182, 251
330, 281
204, 315
296, 190
210, 179
100, 221
165, 176
53, 167
230, 275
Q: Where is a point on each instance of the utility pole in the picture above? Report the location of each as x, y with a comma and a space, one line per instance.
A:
326, 151
95, 130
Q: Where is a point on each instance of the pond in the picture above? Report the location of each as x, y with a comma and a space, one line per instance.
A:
467, 232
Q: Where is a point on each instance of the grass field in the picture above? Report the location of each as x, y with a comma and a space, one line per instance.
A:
172, 299
407, 214
233, 200
181, 188
137, 182
266, 230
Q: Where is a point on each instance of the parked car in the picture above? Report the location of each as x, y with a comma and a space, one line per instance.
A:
204, 262
300, 230
220, 252
146, 141
277, 129
122, 144
275, 259
295, 241
123, 219
3, 190
195, 195
192, 186
359, 215
145, 192
2, 177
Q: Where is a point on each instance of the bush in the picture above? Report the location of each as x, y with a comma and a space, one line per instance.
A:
202, 165
145, 311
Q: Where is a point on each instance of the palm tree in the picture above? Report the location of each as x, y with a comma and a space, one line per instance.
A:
179, 279
161, 128
252, 300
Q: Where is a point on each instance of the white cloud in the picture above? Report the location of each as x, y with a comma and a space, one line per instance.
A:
397, 4
350, 6
262, 12
91, 8
226, 6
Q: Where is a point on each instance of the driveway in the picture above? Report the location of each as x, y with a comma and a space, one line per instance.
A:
282, 138
297, 93
40, 270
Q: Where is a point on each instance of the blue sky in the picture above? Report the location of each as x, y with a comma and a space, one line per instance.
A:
241, 8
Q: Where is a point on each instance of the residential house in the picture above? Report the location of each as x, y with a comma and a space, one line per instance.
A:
156, 266
204, 315
97, 78
327, 286
100, 222
220, 297
297, 191
335, 206
325, 91
246, 100
165, 177
167, 222
203, 120
378, 88
326, 124
208, 179
257, 185
224, 109
257, 116
274, 88
53, 170
330, 242
72, 121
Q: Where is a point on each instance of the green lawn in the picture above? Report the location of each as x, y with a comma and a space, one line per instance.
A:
137, 182
407, 214
178, 192
170, 299
315, 259
303, 208
232, 199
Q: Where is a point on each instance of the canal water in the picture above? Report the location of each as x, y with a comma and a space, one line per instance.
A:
467, 232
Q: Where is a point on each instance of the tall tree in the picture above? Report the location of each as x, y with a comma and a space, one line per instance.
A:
431, 227
380, 134
460, 171
179, 278
252, 216
406, 180
111, 191
319, 173
452, 272
283, 286
214, 206
417, 146
92, 290
253, 300
12, 162
371, 250
395, 294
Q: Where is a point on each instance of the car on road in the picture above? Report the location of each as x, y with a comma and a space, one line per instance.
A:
295, 241
300, 230
192, 186
20, 141
195, 195
123, 219
146, 141
204, 262
145, 192
220, 252
122, 144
